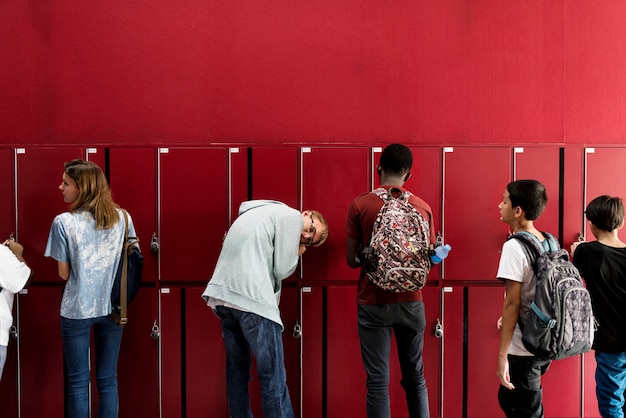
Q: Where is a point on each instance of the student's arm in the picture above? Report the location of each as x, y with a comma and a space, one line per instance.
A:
510, 314
64, 270
352, 248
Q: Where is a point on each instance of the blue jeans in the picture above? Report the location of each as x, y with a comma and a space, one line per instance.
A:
610, 383
76, 336
3, 358
246, 333
376, 323
525, 401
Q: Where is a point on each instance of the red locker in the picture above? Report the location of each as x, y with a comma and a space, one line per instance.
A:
41, 352
138, 364
426, 182
331, 178
132, 177
238, 180
474, 181
541, 164
194, 211
39, 200
274, 174
203, 357
604, 169
171, 352
8, 384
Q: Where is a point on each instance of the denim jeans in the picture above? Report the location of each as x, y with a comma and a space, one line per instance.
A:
407, 321
76, 336
3, 358
245, 334
525, 401
610, 383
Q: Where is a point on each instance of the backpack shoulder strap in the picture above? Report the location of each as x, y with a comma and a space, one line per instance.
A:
386, 195
531, 244
550, 243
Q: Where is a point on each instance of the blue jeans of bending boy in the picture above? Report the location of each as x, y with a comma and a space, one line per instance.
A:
76, 336
407, 322
610, 383
245, 334
525, 401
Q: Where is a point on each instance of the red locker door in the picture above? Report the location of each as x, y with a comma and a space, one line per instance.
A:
314, 300
331, 178
474, 181
39, 174
344, 373
132, 174
274, 175
471, 340
542, 164
194, 214
426, 182
41, 353
453, 361
204, 358
238, 180
132, 177
602, 174
171, 330
137, 367
8, 384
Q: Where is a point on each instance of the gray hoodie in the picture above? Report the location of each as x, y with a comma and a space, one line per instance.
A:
259, 251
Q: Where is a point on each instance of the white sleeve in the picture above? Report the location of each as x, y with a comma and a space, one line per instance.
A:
13, 273
513, 262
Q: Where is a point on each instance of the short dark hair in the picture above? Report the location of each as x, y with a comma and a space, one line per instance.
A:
530, 195
396, 159
606, 212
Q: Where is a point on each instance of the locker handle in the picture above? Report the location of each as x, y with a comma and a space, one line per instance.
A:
154, 243
438, 331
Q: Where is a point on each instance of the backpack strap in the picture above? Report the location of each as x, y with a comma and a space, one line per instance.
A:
533, 246
386, 195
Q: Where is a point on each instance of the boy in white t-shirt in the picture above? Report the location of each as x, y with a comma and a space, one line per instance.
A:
14, 274
519, 371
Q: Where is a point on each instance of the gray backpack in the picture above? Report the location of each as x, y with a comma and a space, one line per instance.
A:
560, 321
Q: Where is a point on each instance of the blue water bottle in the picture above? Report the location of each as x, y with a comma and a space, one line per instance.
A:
440, 253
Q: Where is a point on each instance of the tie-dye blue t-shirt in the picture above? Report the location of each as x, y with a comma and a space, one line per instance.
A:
93, 256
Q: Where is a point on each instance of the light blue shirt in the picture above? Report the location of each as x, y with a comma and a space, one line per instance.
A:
93, 256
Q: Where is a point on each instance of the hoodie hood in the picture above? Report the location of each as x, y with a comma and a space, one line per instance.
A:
253, 204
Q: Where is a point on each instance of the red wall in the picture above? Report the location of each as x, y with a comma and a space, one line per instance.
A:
429, 72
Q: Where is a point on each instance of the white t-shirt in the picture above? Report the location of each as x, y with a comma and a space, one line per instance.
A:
13, 277
515, 266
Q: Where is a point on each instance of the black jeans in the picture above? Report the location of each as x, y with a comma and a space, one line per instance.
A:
525, 400
407, 321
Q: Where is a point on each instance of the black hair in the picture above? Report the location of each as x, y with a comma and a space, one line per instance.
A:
529, 195
396, 159
606, 212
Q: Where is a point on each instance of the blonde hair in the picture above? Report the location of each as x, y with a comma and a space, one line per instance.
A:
94, 193
324, 234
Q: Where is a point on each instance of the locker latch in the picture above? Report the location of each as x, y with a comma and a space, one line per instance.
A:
438, 329
154, 243
154, 331
297, 330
